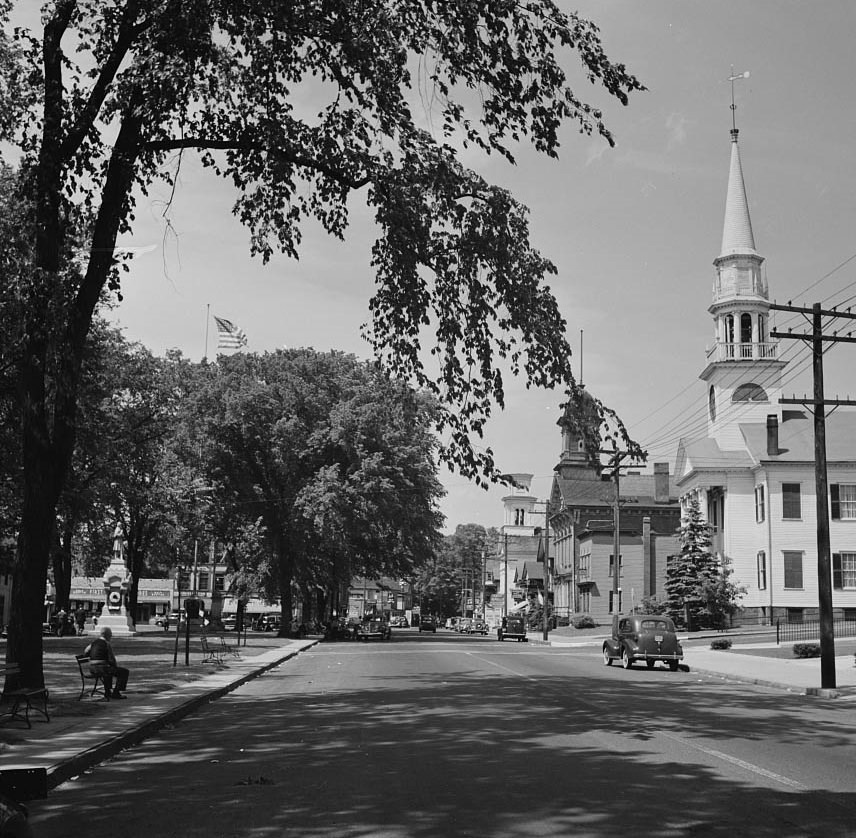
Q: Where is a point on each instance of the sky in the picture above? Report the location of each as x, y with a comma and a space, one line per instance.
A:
633, 230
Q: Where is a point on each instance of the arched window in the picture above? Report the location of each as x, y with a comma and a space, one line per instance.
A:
745, 328
750, 393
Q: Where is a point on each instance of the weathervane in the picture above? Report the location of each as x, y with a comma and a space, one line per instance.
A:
733, 78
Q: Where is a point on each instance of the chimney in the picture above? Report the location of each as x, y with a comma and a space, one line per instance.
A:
661, 482
772, 435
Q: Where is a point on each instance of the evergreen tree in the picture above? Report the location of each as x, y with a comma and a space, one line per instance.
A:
691, 571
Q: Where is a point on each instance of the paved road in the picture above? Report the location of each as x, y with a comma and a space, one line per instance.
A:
448, 736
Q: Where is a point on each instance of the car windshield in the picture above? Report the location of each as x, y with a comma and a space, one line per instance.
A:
654, 625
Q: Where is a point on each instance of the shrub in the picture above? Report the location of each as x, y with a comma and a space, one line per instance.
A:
586, 621
807, 650
720, 643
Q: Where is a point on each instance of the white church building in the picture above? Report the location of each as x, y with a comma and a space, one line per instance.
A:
753, 471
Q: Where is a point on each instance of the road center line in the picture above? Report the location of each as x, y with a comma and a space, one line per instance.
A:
748, 766
500, 666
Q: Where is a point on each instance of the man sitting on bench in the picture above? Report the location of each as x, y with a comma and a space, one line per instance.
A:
102, 662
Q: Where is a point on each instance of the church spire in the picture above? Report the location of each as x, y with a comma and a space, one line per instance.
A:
737, 236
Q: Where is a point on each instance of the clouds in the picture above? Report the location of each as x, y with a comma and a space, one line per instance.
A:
676, 130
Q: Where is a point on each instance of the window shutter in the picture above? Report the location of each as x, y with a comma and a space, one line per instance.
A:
836, 503
837, 575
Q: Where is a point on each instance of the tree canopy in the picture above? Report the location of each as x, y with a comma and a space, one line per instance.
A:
109, 95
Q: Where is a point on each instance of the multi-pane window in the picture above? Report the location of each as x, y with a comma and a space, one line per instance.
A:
843, 570
843, 501
612, 601
760, 512
220, 582
793, 568
762, 570
791, 507
585, 567
612, 565
204, 580
184, 580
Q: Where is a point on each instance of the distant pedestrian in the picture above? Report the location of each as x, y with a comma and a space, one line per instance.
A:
102, 662
80, 619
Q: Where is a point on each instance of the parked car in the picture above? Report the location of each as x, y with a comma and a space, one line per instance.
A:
229, 621
374, 630
513, 627
268, 622
643, 637
427, 624
399, 622
478, 627
464, 625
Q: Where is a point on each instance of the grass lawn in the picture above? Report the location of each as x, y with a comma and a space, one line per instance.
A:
845, 646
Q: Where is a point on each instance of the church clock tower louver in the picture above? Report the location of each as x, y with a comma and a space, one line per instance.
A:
743, 373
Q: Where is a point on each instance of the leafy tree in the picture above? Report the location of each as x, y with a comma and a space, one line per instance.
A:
688, 572
110, 95
334, 460
457, 566
721, 596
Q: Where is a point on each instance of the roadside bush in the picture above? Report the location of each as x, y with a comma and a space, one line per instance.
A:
720, 643
807, 650
586, 621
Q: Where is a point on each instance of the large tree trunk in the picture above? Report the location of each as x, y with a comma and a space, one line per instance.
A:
38, 519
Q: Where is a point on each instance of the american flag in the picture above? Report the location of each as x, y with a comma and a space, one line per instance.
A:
229, 336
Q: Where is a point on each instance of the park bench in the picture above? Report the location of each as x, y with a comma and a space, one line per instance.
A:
86, 675
210, 652
229, 648
22, 698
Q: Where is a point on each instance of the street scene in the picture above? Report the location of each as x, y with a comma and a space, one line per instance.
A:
427, 419
452, 735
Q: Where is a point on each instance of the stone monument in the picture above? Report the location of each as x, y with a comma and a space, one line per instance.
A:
117, 581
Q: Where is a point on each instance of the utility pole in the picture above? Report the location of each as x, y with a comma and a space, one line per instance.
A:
505, 580
546, 568
615, 464
817, 404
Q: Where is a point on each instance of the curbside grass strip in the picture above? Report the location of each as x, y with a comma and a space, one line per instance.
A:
61, 772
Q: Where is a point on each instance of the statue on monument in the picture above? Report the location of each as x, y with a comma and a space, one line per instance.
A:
117, 581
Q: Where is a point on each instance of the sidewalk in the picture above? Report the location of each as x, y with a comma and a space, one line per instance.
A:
752, 662
85, 731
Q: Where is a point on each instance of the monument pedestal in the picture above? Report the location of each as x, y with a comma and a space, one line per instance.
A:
120, 624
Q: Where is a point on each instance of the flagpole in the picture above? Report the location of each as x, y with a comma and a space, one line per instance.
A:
207, 321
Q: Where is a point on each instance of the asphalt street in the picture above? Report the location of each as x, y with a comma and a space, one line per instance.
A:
453, 736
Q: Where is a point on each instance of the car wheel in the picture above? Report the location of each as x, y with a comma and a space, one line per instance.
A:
673, 665
607, 659
650, 664
625, 659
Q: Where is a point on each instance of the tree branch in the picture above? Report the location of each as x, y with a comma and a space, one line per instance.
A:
237, 145
128, 33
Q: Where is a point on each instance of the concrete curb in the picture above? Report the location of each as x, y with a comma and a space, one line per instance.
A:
817, 692
63, 771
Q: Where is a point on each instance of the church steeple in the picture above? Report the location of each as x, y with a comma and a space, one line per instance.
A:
743, 372
737, 235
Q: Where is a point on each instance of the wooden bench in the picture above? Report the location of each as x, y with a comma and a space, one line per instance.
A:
229, 648
210, 653
86, 675
22, 698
